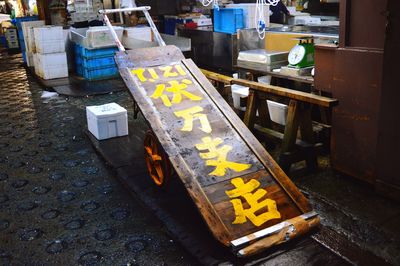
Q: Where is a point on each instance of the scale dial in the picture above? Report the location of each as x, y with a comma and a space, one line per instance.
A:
296, 55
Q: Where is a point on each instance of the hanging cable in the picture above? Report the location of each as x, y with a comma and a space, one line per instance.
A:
260, 15
209, 2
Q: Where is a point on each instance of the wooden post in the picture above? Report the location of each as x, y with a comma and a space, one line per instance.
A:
251, 109
292, 125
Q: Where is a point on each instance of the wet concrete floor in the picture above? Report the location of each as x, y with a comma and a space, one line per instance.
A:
61, 204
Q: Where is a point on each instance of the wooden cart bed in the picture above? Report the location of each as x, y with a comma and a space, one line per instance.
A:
245, 198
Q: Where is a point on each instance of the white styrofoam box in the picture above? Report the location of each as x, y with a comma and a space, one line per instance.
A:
107, 121
201, 22
51, 66
277, 112
264, 79
30, 41
304, 20
139, 33
49, 39
237, 93
249, 13
98, 37
35, 61
29, 59
95, 37
26, 28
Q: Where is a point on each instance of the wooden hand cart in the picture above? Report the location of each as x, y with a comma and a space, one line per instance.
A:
245, 198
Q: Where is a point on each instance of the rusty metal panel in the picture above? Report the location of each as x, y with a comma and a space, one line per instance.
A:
362, 23
324, 65
357, 86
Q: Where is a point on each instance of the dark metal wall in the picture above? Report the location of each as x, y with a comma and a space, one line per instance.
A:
353, 73
388, 158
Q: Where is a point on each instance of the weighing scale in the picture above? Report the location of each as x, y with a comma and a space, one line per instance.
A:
302, 55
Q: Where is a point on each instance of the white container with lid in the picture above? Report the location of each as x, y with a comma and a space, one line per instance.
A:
107, 121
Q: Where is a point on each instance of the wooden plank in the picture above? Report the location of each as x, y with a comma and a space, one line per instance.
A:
186, 141
292, 125
235, 200
194, 189
288, 93
263, 112
219, 198
276, 172
251, 109
217, 77
273, 134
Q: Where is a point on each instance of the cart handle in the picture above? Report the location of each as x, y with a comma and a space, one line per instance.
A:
145, 10
132, 9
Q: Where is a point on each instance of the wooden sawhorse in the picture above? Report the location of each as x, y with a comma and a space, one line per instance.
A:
293, 149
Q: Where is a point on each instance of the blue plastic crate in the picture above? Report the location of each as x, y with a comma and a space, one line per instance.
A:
95, 53
100, 73
95, 62
228, 20
79, 70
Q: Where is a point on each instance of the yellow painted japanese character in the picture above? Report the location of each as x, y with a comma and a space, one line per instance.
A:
140, 74
153, 73
177, 89
219, 155
168, 73
253, 199
190, 114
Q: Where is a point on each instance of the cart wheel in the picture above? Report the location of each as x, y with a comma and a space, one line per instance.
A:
157, 161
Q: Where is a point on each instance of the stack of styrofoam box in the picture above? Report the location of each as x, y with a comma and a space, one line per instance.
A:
107, 121
249, 13
27, 30
139, 33
50, 59
12, 38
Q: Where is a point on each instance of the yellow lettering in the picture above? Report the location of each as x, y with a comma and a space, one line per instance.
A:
244, 190
169, 73
177, 89
139, 74
190, 114
219, 155
153, 74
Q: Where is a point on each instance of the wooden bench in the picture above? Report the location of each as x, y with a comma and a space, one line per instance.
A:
293, 148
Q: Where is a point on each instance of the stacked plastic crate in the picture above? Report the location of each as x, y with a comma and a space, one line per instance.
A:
95, 64
50, 60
